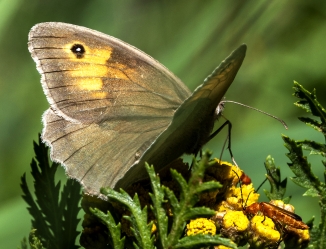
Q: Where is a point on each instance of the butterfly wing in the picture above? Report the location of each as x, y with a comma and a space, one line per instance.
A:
194, 119
108, 101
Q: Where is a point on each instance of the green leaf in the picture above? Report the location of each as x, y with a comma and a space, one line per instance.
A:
311, 192
169, 231
158, 200
311, 122
314, 147
23, 244
208, 186
34, 241
308, 102
203, 240
55, 220
115, 229
37, 217
183, 186
189, 196
69, 205
316, 237
175, 205
278, 187
198, 212
301, 168
138, 217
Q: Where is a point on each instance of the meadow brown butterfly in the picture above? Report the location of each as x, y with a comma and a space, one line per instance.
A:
113, 107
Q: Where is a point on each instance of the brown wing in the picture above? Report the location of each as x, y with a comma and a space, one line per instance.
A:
88, 76
193, 121
98, 155
109, 101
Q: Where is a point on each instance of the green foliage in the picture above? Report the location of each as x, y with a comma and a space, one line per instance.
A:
23, 244
170, 231
115, 230
54, 213
138, 219
300, 166
278, 186
202, 241
34, 241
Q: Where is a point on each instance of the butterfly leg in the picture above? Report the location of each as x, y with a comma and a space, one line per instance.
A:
229, 124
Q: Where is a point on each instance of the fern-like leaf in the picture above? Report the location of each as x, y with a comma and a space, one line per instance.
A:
54, 218
115, 229
189, 196
278, 186
138, 217
308, 102
300, 166
203, 240
169, 232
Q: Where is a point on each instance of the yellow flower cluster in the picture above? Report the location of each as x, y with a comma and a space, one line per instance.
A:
265, 227
236, 197
297, 238
235, 219
260, 231
201, 226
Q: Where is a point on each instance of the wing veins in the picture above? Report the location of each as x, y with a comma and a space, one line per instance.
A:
67, 134
76, 151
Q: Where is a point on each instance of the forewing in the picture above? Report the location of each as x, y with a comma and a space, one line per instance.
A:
110, 78
108, 103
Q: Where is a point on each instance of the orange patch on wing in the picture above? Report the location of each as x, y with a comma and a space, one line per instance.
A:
97, 71
90, 84
94, 64
99, 95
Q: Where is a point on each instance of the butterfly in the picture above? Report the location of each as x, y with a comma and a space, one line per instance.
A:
113, 107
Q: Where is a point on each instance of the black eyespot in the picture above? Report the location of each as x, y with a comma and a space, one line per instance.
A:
78, 50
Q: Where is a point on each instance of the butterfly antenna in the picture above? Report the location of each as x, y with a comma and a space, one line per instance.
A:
253, 108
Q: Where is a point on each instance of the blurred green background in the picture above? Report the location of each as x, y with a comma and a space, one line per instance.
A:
285, 39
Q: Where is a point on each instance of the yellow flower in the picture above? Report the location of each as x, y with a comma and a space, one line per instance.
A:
221, 247
236, 198
262, 233
265, 227
304, 234
235, 219
225, 171
296, 238
154, 229
201, 226
233, 225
